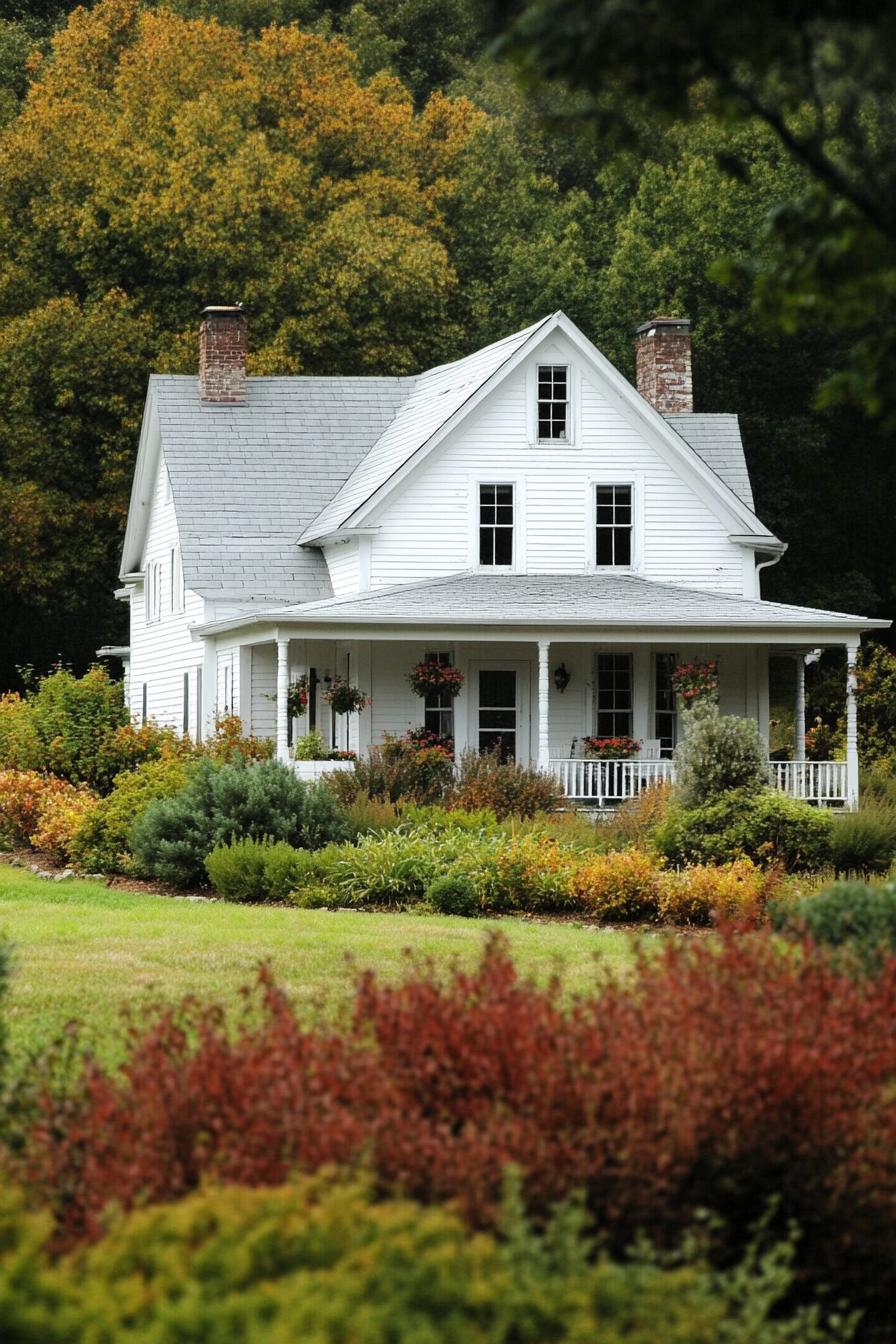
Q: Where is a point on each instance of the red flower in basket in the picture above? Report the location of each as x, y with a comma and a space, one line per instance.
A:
611, 748
698, 680
431, 676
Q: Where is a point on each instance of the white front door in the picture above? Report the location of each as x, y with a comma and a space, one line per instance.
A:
500, 708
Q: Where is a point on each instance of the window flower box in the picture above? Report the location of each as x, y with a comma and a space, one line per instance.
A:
611, 748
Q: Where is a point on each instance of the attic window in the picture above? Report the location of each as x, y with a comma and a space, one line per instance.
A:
553, 403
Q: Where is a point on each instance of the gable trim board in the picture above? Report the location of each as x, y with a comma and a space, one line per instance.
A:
355, 502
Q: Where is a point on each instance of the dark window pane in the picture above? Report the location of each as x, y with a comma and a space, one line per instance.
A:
604, 546
504, 546
497, 718
497, 688
503, 743
505, 515
486, 547
623, 547
504, 494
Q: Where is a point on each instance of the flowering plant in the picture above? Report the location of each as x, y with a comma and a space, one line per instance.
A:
432, 676
423, 739
611, 748
698, 680
297, 698
345, 698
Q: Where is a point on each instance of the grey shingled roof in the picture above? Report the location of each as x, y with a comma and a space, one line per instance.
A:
472, 598
716, 438
435, 397
247, 479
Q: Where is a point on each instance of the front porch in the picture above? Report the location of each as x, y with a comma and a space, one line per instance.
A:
535, 701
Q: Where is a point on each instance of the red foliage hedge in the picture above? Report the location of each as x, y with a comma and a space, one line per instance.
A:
726, 1072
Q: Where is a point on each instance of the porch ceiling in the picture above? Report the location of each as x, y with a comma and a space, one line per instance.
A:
555, 601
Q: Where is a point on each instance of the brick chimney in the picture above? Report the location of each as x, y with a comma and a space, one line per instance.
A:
663, 364
223, 339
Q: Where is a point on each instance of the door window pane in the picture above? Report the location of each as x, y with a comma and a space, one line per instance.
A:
497, 726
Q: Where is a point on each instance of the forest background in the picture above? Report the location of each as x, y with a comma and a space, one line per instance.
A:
376, 185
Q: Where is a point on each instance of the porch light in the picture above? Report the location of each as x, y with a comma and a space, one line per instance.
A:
561, 678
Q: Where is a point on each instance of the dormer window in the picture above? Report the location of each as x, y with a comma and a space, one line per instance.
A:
614, 525
496, 525
553, 403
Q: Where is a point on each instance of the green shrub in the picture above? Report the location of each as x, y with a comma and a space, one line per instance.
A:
765, 826
453, 895
849, 915
504, 787
319, 1262
130, 746
66, 720
879, 782
311, 747
254, 870
102, 841
865, 841
220, 803
718, 753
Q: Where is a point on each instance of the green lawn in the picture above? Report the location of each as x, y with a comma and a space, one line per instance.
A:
81, 951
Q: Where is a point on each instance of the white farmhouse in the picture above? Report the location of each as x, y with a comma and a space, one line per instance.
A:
524, 514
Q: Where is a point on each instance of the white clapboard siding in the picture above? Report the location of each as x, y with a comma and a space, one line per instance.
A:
163, 651
427, 529
342, 563
263, 707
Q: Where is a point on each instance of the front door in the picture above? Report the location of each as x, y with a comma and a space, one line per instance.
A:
502, 721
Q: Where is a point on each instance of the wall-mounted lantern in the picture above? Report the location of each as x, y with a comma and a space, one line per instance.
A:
561, 678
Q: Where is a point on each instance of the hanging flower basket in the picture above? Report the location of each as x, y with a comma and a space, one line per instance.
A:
611, 748
345, 698
429, 677
696, 681
297, 698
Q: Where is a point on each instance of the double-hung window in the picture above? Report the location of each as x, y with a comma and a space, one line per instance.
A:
152, 590
665, 715
553, 403
496, 510
614, 525
613, 695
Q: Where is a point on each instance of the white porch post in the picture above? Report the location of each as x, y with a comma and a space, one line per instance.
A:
282, 693
852, 728
799, 745
544, 696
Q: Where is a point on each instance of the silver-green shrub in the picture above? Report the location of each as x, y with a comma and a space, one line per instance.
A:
718, 752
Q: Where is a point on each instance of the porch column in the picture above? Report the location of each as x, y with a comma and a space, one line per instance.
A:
852, 728
282, 693
544, 696
799, 745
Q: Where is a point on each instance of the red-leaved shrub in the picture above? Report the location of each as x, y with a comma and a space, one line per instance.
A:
724, 1073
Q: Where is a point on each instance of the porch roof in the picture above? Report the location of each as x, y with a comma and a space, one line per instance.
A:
552, 601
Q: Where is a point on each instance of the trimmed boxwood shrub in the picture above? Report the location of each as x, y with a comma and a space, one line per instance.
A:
220, 803
763, 825
453, 895
849, 915
718, 753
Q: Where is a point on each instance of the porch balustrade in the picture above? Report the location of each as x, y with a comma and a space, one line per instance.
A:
608, 783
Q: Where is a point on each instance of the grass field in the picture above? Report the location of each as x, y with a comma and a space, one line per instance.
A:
82, 950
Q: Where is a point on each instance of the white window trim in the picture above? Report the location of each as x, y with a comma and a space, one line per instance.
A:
573, 386
636, 480
519, 513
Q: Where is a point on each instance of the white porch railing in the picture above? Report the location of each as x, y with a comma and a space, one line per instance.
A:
821, 782
607, 783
